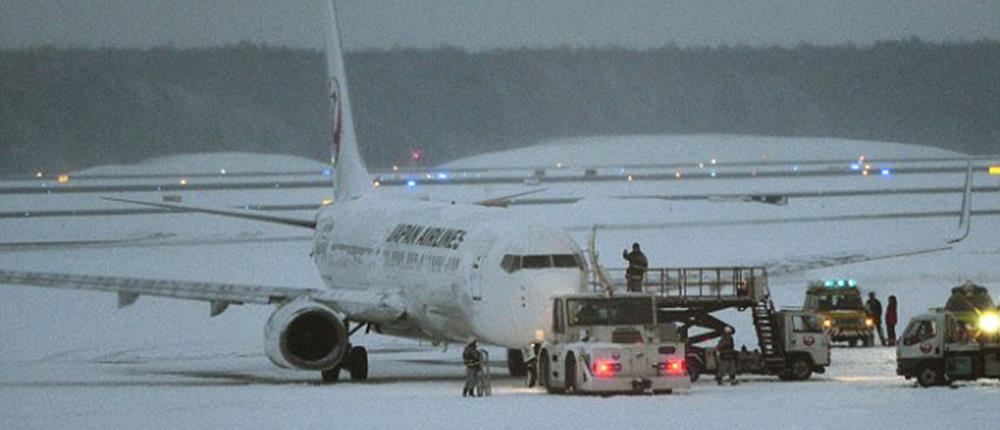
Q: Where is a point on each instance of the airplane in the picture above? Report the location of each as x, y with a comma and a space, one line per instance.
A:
440, 270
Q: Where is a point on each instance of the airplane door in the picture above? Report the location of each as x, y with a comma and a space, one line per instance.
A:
476, 281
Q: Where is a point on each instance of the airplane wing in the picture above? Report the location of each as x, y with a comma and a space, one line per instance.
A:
802, 263
357, 305
232, 213
504, 201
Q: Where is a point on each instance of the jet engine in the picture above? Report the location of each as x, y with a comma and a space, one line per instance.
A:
303, 334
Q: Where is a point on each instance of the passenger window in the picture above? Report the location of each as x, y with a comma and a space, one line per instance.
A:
536, 261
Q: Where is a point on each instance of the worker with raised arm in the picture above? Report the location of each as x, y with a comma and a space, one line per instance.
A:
637, 266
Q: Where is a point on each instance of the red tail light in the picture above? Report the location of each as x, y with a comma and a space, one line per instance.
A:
676, 366
605, 368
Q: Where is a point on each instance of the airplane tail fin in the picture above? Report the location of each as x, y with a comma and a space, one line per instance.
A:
352, 179
965, 218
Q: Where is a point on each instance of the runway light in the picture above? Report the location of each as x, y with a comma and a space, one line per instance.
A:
677, 175
411, 183
559, 165
395, 168
63, 179
183, 181
326, 201
995, 170
376, 183
864, 173
712, 161
795, 168
701, 165
630, 178
712, 174
989, 322
222, 171
38, 174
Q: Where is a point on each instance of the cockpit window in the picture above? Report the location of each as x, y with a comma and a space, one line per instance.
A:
536, 261
565, 260
513, 263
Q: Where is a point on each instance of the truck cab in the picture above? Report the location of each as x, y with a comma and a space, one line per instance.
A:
839, 305
938, 348
603, 344
802, 348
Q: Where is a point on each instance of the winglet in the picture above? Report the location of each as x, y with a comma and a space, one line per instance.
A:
965, 217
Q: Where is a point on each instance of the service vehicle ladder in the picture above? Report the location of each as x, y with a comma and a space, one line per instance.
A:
688, 295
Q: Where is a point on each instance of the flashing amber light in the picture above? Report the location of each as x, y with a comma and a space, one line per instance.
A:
995, 170
869, 322
63, 179
827, 323
676, 367
326, 201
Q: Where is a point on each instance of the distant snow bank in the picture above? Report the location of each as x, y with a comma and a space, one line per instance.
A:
210, 162
654, 149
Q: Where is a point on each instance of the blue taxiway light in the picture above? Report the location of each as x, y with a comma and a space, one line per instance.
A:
442, 175
411, 183
886, 172
855, 166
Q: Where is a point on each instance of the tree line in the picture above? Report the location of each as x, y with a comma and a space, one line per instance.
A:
63, 109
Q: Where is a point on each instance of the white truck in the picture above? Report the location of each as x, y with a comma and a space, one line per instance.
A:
605, 344
800, 348
940, 347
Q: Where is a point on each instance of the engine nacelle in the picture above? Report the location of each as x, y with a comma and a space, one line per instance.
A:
303, 334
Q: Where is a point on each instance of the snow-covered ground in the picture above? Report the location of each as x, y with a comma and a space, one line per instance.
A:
70, 359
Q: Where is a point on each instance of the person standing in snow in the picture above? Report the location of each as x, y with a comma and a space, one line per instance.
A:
874, 310
637, 266
891, 318
725, 357
470, 356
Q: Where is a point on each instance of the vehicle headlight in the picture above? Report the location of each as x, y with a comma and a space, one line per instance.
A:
989, 322
869, 322
827, 323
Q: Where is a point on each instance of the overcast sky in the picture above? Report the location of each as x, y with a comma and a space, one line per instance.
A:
486, 24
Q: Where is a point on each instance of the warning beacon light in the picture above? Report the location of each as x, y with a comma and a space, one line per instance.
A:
989, 322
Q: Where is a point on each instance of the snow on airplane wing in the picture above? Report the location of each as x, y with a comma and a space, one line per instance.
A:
357, 305
232, 213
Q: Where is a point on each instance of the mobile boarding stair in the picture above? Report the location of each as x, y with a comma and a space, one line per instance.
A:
689, 296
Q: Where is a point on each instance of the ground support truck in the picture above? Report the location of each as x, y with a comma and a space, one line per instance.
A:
939, 348
610, 344
791, 343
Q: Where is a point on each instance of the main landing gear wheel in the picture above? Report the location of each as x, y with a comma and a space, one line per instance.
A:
331, 375
357, 363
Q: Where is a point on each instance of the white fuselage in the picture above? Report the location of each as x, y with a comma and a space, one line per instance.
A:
442, 261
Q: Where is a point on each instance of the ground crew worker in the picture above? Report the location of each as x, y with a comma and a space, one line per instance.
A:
470, 356
874, 310
637, 266
891, 318
725, 357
